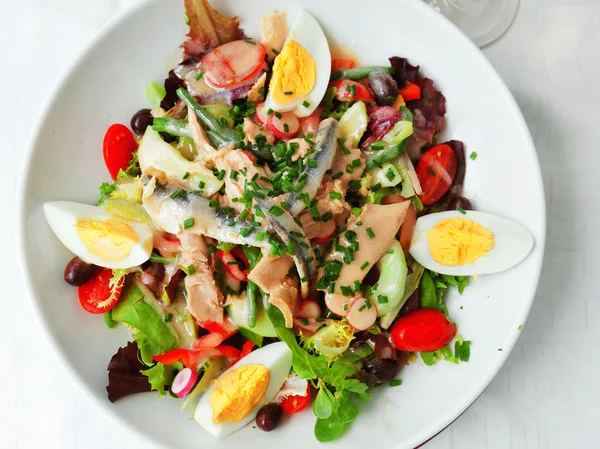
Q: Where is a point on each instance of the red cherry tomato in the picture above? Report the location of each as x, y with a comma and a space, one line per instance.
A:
348, 90
233, 63
118, 147
422, 330
97, 295
436, 171
295, 404
342, 64
232, 260
411, 91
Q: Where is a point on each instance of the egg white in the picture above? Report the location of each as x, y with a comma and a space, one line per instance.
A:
512, 244
62, 216
308, 33
277, 357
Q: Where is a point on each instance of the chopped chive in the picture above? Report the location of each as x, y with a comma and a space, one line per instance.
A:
250, 41
245, 232
364, 266
285, 204
291, 248
221, 175
360, 223
308, 141
431, 170
338, 175
168, 317
231, 224
390, 175
296, 234
473, 155
260, 236
289, 92
212, 248
270, 111
356, 286
191, 269
368, 304
286, 128
276, 210
395, 382
356, 211
233, 174
278, 115
375, 188
305, 321
188, 223
345, 307
462, 211
261, 90
312, 163
201, 184
178, 193
326, 217
306, 104
346, 291
382, 299
186, 175
370, 232
199, 75
335, 195
363, 307
356, 162
213, 203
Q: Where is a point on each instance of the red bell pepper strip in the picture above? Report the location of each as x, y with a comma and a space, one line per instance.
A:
411, 91
193, 359
247, 348
232, 259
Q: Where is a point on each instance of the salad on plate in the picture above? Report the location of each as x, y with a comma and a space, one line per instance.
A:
281, 228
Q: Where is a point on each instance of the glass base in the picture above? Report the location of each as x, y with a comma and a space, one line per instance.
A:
483, 21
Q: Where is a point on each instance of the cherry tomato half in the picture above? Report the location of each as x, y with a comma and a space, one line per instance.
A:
342, 64
235, 262
348, 90
422, 330
436, 171
118, 147
295, 404
97, 295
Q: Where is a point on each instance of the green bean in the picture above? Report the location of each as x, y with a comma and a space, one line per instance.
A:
210, 123
171, 126
387, 155
359, 73
252, 291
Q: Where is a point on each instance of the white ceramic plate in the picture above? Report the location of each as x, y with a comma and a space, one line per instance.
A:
107, 85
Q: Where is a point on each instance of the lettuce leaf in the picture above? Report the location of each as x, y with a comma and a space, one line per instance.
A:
124, 374
161, 376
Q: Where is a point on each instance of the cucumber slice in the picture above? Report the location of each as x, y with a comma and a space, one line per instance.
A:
238, 314
392, 280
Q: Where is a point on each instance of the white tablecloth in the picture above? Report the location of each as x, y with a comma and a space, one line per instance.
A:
548, 393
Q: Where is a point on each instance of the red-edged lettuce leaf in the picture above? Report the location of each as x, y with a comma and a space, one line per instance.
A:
208, 28
124, 376
381, 120
429, 110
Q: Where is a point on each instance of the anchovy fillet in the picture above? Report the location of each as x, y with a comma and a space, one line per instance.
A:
289, 231
325, 148
170, 207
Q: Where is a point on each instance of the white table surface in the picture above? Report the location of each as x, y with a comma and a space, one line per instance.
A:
548, 393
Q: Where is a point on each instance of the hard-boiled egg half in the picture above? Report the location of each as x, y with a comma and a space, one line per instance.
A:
301, 70
468, 244
97, 237
237, 395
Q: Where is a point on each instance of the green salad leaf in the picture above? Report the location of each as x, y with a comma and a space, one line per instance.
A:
135, 310
161, 376
334, 405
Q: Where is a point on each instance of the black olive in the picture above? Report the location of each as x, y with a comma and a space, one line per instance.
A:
269, 417
384, 370
141, 120
461, 203
384, 87
78, 272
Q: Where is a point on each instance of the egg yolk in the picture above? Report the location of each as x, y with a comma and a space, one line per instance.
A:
294, 74
238, 393
108, 239
459, 241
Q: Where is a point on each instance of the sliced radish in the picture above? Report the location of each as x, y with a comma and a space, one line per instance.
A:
307, 326
233, 63
261, 114
310, 124
323, 239
309, 309
184, 382
285, 126
338, 303
362, 314
249, 156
